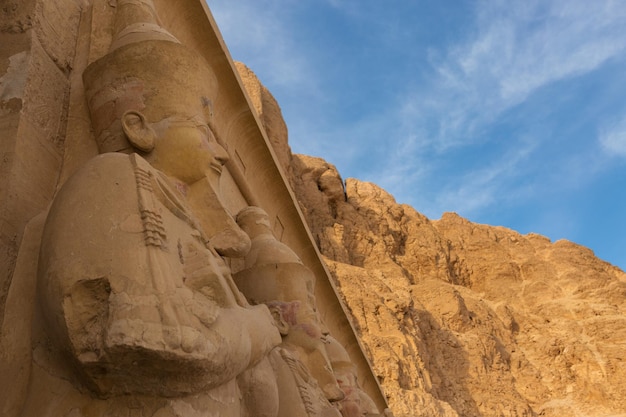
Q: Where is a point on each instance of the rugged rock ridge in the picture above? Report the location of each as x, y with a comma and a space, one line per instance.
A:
462, 319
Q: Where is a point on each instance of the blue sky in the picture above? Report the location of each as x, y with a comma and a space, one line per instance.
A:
509, 113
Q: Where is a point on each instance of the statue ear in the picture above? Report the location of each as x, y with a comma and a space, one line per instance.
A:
139, 133
280, 322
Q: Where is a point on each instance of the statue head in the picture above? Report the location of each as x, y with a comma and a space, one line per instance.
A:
345, 373
275, 275
302, 332
152, 95
254, 221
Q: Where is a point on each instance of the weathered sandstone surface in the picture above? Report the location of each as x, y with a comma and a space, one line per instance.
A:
153, 259
462, 319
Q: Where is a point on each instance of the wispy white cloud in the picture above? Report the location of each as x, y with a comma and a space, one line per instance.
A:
259, 33
488, 185
552, 41
516, 49
346, 6
613, 138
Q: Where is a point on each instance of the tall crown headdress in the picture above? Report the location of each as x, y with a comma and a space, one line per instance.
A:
146, 68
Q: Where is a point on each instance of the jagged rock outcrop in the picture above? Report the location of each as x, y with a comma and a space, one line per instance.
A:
463, 319
269, 112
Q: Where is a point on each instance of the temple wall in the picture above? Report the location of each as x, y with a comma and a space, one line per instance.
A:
37, 43
46, 134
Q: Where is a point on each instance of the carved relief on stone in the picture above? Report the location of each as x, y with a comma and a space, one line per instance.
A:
130, 282
140, 314
356, 403
274, 275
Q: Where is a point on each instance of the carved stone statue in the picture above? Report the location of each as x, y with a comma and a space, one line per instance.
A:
356, 403
274, 275
137, 310
132, 288
306, 379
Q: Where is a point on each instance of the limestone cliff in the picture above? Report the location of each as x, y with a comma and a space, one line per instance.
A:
463, 319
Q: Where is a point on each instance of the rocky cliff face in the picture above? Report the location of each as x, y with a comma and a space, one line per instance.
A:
463, 319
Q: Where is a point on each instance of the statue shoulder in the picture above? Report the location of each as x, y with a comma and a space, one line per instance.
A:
93, 203
104, 178
107, 168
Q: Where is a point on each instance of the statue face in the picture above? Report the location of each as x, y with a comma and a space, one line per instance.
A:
185, 147
305, 334
305, 331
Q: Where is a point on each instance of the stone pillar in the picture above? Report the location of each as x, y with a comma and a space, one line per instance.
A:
37, 44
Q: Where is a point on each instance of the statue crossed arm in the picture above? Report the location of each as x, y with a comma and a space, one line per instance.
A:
130, 284
140, 293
